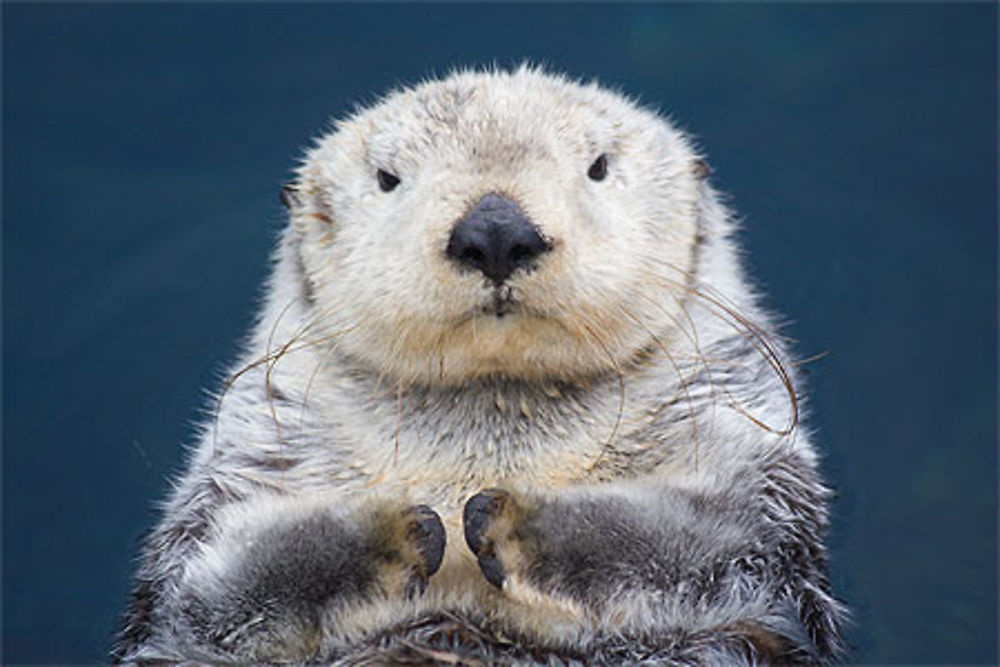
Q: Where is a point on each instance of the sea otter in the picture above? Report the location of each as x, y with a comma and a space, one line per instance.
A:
510, 399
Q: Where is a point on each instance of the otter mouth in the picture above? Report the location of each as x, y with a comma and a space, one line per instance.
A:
500, 303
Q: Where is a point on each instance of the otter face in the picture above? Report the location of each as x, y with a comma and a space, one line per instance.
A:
507, 223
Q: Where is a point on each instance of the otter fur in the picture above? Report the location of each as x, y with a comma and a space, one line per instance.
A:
510, 399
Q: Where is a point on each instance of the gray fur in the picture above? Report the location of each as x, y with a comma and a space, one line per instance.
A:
664, 504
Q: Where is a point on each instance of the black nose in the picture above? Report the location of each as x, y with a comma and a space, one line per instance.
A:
495, 238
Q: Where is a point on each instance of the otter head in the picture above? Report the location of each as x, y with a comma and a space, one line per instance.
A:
511, 224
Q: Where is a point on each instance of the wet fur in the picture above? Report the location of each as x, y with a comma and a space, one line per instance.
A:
632, 417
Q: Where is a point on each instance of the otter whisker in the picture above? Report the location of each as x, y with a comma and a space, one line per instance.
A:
294, 345
229, 383
759, 340
319, 365
399, 422
685, 382
811, 358
268, 356
621, 393
690, 333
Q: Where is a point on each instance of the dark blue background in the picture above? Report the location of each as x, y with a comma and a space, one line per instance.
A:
143, 146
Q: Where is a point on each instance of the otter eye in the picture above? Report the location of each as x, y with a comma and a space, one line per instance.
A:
599, 169
387, 181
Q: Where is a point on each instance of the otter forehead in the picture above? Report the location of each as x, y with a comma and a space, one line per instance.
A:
499, 119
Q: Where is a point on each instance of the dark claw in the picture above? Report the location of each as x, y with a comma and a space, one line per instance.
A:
479, 512
416, 586
492, 570
428, 531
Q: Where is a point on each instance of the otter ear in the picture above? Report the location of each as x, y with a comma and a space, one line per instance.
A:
702, 170
289, 196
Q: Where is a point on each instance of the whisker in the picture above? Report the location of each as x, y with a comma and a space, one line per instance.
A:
232, 380
270, 358
811, 359
319, 365
399, 421
621, 389
685, 382
699, 358
759, 339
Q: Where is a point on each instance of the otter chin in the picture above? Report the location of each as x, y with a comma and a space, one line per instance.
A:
514, 344
509, 399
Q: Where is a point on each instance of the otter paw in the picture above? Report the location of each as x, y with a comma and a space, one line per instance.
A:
426, 533
409, 545
491, 519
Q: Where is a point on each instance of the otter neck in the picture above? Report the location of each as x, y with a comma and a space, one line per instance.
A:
494, 428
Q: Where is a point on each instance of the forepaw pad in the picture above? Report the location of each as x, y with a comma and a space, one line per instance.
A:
483, 521
426, 532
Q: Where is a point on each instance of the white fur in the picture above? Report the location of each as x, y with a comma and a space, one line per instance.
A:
372, 362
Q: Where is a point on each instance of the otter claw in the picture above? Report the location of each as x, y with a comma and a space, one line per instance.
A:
416, 586
492, 569
428, 533
479, 513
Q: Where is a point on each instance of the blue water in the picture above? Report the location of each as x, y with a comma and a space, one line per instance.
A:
143, 146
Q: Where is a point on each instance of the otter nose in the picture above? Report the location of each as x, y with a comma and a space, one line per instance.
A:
495, 238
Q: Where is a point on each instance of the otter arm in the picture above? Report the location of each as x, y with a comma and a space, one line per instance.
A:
722, 575
257, 587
